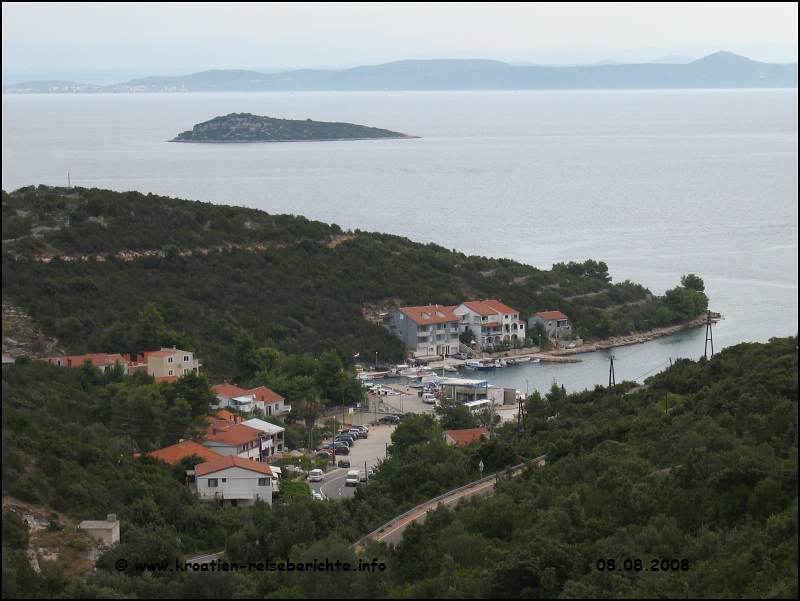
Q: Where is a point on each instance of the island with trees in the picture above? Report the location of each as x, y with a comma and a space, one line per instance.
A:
244, 127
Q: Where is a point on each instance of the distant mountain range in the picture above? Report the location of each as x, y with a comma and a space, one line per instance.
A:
719, 70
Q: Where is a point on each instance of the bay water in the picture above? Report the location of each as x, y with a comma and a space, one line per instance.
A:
656, 183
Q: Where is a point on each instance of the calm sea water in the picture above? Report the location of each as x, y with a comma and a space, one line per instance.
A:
655, 183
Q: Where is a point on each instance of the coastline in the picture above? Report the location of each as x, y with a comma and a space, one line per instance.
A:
274, 141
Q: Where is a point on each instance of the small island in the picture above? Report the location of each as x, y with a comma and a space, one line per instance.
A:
244, 127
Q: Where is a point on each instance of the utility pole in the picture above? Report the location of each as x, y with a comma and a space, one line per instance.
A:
611, 379
69, 182
710, 321
376, 360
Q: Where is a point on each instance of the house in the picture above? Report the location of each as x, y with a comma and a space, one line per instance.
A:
186, 448
427, 331
464, 437
555, 323
269, 402
102, 361
8, 361
272, 442
227, 438
167, 364
106, 531
262, 398
233, 481
491, 321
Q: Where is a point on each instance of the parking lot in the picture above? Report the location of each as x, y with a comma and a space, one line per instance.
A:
364, 454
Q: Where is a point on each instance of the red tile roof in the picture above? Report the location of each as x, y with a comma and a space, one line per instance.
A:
226, 415
479, 308
464, 437
97, 359
234, 435
552, 315
262, 393
161, 353
183, 449
210, 467
430, 314
501, 307
229, 390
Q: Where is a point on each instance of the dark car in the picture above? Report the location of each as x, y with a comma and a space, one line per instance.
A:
343, 463
342, 450
350, 437
323, 455
345, 441
389, 419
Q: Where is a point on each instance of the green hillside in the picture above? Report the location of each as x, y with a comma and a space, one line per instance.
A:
698, 470
133, 271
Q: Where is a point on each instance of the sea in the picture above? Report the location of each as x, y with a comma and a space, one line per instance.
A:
655, 183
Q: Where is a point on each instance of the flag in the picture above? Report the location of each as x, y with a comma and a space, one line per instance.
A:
356, 356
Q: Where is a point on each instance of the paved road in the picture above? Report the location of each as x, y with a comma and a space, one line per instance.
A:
366, 450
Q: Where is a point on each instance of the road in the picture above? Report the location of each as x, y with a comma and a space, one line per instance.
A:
365, 450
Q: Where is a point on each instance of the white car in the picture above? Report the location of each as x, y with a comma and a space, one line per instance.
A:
352, 478
429, 398
317, 496
316, 476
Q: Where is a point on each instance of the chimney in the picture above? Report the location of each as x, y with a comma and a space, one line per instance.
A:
199, 439
111, 517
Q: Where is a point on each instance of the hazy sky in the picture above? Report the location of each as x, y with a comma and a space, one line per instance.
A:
484, 27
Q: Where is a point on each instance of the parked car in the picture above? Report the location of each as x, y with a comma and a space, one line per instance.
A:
343, 450
345, 441
316, 475
352, 478
429, 397
389, 419
462, 356
359, 433
366, 476
323, 454
344, 463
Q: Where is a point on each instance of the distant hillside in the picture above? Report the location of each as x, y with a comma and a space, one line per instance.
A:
244, 127
720, 70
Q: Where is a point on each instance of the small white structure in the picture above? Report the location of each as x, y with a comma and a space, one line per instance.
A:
233, 481
271, 440
106, 531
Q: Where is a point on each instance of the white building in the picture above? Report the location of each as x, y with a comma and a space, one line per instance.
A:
272, 440
233, 481
491, 322
427, 331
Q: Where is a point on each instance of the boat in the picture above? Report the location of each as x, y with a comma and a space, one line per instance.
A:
522, 360
484, 365
449, 368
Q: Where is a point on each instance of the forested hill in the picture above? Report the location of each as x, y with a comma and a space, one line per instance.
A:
128, 272
244, 127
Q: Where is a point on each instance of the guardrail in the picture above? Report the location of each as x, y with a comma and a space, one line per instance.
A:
444, 496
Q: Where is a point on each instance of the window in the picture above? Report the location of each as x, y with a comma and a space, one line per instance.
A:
224, 479
171, 372
186, 358
277, 406
234, 503
213, 482
264, 482
185, 370
170, 359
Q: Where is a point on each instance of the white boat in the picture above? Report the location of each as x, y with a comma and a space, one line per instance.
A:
449, 368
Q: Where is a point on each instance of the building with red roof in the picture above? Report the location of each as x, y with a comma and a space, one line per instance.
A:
233, 481
427, 331
491, 322
187, 448
227, 438
102, 361
464, 437
554, 323
246, 401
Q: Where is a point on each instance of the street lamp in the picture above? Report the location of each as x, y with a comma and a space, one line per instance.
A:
376, 360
